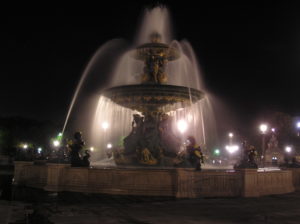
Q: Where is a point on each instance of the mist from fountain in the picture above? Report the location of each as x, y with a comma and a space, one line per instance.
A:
127, 71
95, 60
181, 72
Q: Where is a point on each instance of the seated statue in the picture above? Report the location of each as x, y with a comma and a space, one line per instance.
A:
132, 140
190, 156
248, 158
85, 160
76, 147
252, 154
147, 158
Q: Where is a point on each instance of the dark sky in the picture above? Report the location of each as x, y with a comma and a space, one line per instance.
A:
249, 52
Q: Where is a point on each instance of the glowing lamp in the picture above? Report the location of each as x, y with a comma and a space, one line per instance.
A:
232, 148
56, 143
288, 149
105, 125
182, 126
217, 152
263, 128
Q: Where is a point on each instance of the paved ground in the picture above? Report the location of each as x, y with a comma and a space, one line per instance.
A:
78, 208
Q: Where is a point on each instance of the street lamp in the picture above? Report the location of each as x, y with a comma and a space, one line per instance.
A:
298, 128
217, 152
109, 146
288, 149
25, 146
230, 135
288, 154
56, 143
263, 128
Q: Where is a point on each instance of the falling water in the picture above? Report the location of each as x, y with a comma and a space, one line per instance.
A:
98, 55
127, 71
117, 120
181, 72
155, 20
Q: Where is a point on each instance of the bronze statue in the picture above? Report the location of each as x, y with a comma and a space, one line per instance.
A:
86, 159
76, 147
248, 157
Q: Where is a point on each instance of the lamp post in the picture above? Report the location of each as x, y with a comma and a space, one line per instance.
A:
288, 149
263, 128
56, 143
298, 128
288, 154
230, 135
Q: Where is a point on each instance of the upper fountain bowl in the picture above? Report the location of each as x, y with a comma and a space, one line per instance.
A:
155, 49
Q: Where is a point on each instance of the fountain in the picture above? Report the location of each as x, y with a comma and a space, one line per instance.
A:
155, 86
151, 140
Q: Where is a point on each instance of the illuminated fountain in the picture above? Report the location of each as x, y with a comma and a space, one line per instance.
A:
155, 88
151, 140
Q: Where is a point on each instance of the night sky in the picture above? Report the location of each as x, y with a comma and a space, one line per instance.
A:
249, 53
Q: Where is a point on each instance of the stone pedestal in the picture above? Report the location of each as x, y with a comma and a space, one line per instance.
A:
55, 176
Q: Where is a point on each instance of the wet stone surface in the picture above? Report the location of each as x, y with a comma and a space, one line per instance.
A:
80, 208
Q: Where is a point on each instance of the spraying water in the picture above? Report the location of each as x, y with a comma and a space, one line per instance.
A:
113, 122
98, 55
182, 72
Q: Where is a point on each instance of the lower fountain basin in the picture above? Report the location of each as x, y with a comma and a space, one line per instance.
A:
179, 182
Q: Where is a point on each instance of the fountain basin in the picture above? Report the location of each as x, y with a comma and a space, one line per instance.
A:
153, 97
176, 182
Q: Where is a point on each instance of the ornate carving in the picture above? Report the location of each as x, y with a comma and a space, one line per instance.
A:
155, 56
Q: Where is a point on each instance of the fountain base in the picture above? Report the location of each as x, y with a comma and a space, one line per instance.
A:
179, 182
